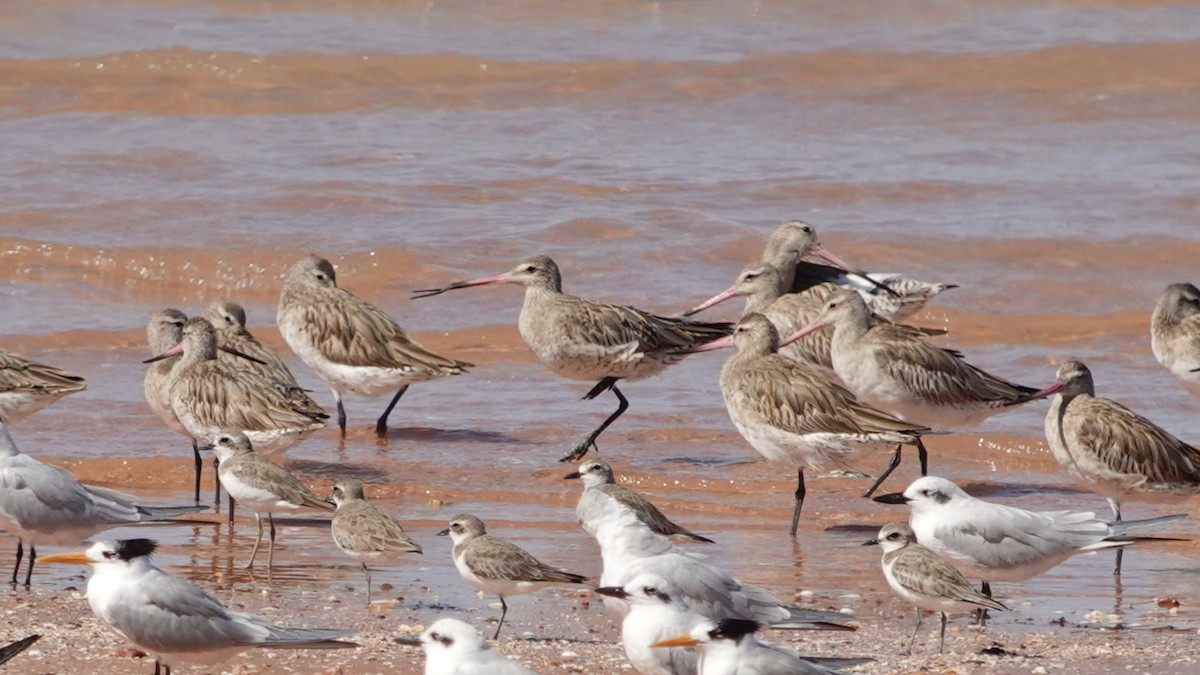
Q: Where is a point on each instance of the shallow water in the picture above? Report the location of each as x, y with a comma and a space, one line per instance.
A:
1042, 156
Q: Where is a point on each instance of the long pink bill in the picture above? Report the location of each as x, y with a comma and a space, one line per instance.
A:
810, 328
173, 351
717, 299
504, 278
1043, 393
719, 343
824, 254
178, 349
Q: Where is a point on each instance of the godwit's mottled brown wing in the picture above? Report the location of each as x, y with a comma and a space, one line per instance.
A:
359, 526
272, 366
20, 374
785, 395
489, 557
1129, 443
225, 400
353, 332
938, 375
614, 326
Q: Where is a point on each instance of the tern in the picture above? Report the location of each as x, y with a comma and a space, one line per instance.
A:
173, 619
728, 647
657, 611
995, 542
41, 503
452, 647
629, 548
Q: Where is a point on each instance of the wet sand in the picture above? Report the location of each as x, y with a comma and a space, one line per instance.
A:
1076, 618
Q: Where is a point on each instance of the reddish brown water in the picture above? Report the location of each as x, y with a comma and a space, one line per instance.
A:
1041, 155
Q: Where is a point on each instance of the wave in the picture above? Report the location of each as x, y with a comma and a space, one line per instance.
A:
181, 81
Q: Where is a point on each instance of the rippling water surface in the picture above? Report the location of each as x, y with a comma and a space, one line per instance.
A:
1040, 154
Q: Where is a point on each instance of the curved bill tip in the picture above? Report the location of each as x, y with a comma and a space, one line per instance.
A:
871, 542
241, 355
504, 278
891, 498
407, 641
1042, 393
444, 533
823, 253
572, 475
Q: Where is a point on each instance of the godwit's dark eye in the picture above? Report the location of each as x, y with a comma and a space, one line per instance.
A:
109, 555
893, 536
807, 229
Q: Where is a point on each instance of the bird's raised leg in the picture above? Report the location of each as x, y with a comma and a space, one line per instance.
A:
590, 442
886, 472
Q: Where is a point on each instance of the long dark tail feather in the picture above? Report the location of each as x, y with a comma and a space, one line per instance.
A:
7, 652
1122, 526
168, 512
323, 644
838, 662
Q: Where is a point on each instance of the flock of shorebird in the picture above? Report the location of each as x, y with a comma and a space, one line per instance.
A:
824, 373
